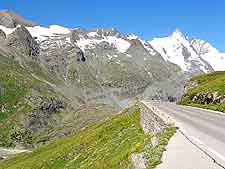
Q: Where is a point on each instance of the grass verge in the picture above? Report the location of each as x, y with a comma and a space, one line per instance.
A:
154, 154
107, 144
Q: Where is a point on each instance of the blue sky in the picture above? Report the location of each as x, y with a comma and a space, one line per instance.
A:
203, 19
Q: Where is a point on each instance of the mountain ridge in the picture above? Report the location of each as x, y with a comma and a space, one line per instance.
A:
11, 19
175, 49
36, 31
75, 77
42, 32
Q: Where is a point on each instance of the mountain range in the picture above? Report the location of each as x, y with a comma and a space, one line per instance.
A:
68, 78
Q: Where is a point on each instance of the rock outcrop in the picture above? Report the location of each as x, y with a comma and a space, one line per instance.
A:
39, 118
22, 42
139, 161
190, 85
208, 98
2, 35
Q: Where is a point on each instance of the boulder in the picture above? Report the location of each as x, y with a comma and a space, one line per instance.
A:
155, 141
223, 99
190, 85
217, 99
139, 161
208, 98
195, 99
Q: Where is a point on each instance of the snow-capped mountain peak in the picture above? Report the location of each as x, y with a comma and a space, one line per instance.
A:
177, 49
193, 56
210, 54
177, 34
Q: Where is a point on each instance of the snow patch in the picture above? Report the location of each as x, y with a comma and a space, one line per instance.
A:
132, 36
6, 30
92, 34
120, 44
56, 29
128, 55
85, 44
43, 33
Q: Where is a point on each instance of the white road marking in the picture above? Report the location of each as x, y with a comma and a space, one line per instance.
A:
197, 140
211, 111
216, 153
207, 148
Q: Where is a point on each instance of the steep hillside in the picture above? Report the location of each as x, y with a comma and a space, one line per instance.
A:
107, 144
206, 91
34, 111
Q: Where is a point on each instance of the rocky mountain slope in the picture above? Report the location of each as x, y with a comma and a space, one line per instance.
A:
122, 65
56, 80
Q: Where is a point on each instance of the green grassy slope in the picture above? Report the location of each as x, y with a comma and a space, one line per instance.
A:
107, 144
18, 91
213, 82
15, 84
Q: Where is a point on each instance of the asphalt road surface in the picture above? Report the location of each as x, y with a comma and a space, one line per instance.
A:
200, 139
